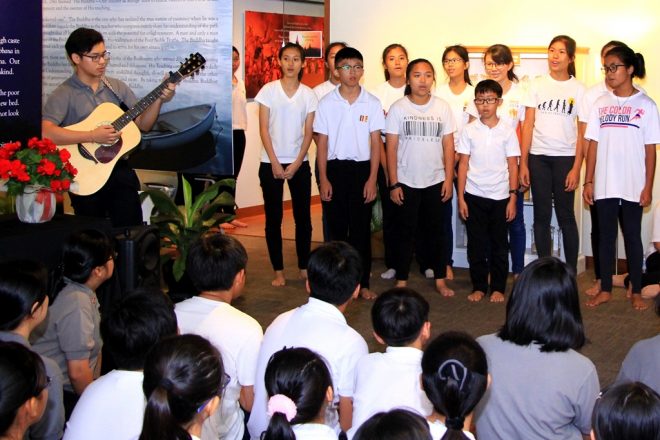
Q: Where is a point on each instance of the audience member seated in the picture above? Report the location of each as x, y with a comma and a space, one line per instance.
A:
216, 265
542, 387
113, 405
397, 424
642, 363
630, 411
23, 288
183, 382
299, 387
384, 381
70, 334
333, 282
455, 378
23, 389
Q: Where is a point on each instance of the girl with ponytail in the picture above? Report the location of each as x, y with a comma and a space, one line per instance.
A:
454, 377
299, 387
183, 381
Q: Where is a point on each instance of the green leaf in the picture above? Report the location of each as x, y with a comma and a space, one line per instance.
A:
187, 199
179, 267
162, 202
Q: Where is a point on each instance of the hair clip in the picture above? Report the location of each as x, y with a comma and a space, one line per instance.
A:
455, 370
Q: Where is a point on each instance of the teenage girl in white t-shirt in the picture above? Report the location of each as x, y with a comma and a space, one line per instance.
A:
420, 158
238, 124
552, 150
624, 128
286, 115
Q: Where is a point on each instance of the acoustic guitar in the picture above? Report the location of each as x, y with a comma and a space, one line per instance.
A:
95, 161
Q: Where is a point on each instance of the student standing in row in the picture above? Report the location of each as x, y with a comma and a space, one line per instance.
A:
238, 125
286, 114
552, 150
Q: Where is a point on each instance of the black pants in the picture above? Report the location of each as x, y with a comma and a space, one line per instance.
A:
652, 274
548, 177
488, 243
300, 186
349, 218
389, 228
631, 224
423, 211
118, 199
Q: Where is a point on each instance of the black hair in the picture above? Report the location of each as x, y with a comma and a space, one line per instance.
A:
331, 46
386, 51
397, 424
348, 53
84, 251
544, 308
233, 49
22, 376
333, 272
214, 261
454, 378
82, 40
408, 90
629, 410
181, 375
501, 54
135, 324
571, 47
610, 45
23, 283
302, 376
297, 47
398, 316
628, 57
462, 52
488, 85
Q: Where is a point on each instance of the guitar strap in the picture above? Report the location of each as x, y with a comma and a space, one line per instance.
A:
122, 104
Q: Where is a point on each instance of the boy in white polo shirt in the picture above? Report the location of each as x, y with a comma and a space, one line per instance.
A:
384, 381
487, 191
333, 273
348, 123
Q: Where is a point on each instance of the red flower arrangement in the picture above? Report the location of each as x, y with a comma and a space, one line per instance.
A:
40, 164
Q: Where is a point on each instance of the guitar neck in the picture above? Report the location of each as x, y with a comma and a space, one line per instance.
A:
144, 103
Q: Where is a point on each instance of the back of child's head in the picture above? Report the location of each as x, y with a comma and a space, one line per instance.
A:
135, 324
182, 375
333, 272
488, 85
23, 287
398, 316
397, 424
22, 377
348, 53
214, 261
297, 382
454, 378
83, 251
629, 410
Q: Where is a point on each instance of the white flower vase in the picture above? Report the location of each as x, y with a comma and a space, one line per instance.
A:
35, 204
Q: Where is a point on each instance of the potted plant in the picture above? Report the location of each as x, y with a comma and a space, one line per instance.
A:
181, 226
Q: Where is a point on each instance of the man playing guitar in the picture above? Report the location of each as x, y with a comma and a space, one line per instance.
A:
73, 100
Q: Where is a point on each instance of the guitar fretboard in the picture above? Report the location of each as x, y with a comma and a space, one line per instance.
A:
145, 102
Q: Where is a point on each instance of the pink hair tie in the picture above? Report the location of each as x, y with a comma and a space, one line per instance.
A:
280, 403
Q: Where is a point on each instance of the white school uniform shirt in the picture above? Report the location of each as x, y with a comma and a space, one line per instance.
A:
238, 338
324, 88
111, 407
459, 105
622, 127
420, 156
384, 381
388, 95
349, 126
320, 327
512, 109
314, 431
489, 148
287, 118
238, 106
557, 104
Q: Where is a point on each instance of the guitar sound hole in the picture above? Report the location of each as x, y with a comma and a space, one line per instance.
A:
107, 153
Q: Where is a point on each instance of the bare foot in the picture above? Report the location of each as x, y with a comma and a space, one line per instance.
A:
368, 294
618, 280
303, 274
401, 283
238, 223
449, 273
595, 289
227, 226
496, 297
279, 280
441, 287
476, 296
650, 291
601, 298
638, 303
629, 291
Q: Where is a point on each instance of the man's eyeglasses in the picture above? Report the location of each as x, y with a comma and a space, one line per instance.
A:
612, 68
347, 68
481, 101
97, 56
